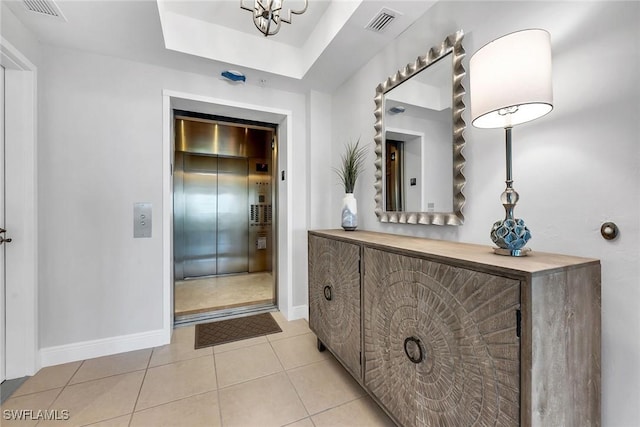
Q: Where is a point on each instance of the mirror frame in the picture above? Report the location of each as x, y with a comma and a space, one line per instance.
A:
452, 44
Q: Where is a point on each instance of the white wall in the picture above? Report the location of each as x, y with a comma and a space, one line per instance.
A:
21, 38
100, 150
574, 169
320, 145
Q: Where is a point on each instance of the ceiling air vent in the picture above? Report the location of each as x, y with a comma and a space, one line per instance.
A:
44, 7
382, 20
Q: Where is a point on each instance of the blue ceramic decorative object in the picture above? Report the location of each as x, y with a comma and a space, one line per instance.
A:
511, 234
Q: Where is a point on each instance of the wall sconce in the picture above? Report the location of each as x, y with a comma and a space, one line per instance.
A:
510, 82
267, 15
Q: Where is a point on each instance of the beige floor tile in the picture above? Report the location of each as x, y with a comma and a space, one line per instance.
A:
18, 407
183, 334
107, 366
302, 423
48, 378
122, 421
268, 401
289, 329
221, 292
324, 385
222, 348
246, 364
175, 381
98, 400
195, 411
181, 348
299, 351
358, 413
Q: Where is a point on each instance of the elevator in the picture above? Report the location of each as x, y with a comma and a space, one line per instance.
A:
223, 200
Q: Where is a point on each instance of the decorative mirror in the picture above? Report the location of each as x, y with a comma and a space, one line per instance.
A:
419, 139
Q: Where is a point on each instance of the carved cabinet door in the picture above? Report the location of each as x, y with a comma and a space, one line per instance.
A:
440, 342
334, 298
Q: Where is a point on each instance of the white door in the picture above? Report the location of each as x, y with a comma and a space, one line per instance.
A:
18, 277
2, 275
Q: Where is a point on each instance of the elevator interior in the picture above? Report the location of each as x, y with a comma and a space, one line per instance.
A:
223, 215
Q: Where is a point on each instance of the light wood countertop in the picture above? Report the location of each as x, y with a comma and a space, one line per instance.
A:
472, 255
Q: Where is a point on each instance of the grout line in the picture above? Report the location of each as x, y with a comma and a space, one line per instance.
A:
63, 387
171, 401
68, 384
131, 416
101, 421
292, 335
75, 372
252, 379
308, 417
240, 348
215, 373
178, 361
105, 377
338, 406
13, 396
144, 377
297, 394
275, 353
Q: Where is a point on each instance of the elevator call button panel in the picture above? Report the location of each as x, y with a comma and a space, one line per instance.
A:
142, 220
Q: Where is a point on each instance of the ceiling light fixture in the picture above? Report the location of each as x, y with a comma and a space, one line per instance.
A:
267, 14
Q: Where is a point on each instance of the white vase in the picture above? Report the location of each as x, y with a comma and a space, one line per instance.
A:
349, 212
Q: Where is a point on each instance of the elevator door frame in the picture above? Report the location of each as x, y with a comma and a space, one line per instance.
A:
273, 211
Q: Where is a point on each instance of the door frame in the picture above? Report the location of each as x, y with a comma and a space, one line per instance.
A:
3, 376
284, 238
21, 302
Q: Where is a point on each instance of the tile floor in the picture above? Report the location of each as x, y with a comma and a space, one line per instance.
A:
277, 380
221, 292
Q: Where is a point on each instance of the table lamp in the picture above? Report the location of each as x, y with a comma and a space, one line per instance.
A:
510, 81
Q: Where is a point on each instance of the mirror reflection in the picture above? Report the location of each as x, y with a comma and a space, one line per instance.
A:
419, 139
418, 155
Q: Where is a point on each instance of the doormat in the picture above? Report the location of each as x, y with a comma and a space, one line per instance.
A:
224, 331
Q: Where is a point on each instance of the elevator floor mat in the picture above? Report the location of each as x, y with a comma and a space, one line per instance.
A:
224, 331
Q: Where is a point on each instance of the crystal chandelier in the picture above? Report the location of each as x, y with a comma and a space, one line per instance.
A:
267, 14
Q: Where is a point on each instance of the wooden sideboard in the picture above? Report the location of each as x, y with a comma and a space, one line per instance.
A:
450, 334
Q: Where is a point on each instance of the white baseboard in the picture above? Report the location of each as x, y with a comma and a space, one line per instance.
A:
103, 347
299, 312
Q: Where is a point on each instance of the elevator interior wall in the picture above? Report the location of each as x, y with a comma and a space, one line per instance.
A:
222, 199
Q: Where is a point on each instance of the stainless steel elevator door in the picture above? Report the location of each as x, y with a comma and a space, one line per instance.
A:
200, 215
233, 224
211, 205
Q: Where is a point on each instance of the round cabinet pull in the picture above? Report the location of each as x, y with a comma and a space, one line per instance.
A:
413, 349
327, 293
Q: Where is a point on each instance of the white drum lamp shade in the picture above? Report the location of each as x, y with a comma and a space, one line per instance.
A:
510, 80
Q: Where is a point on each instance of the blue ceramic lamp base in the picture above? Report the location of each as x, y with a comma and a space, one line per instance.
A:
511, 236
512, 252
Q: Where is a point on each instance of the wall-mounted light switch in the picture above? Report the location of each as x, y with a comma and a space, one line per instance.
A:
141, 220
